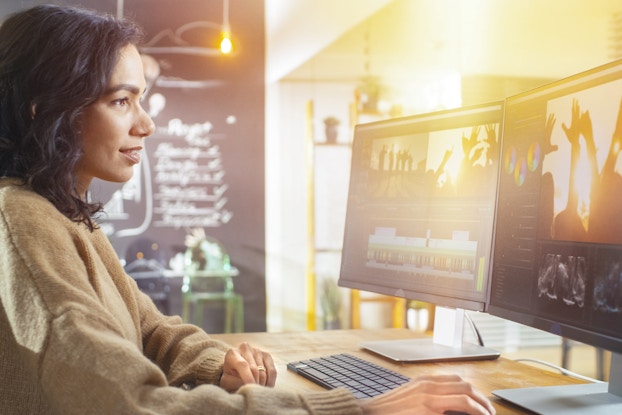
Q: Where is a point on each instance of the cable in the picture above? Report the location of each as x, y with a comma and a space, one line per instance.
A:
560, 369
480, 341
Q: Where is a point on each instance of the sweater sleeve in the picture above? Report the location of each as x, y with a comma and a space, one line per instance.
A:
87, 369
183, 351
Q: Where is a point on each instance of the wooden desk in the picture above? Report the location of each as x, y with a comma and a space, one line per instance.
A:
486, 375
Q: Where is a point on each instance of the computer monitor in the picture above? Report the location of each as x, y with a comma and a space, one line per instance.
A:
419, 220
557, 257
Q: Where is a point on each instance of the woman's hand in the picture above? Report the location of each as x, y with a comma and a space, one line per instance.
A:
431, 395
247, 364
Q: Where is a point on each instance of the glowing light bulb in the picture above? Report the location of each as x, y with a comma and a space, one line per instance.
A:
225, 43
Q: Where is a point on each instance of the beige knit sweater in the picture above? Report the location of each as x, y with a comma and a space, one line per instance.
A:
78, 337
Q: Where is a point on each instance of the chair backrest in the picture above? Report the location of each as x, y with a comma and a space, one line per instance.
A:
150, 278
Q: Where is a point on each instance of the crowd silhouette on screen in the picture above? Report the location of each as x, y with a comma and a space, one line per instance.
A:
603, 224
563, 277
397, 173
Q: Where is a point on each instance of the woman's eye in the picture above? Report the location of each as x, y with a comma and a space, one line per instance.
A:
121, 102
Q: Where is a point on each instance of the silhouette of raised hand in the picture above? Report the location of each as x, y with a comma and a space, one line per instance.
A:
469, 143
585, 125
446, 157
616, 142
491, 140
547, 147
614, 148
574, 130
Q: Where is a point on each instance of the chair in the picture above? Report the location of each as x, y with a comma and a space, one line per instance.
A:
208, 278
201, 288
150, 278
398, 308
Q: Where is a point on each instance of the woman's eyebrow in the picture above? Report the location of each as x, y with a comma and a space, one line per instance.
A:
133, 89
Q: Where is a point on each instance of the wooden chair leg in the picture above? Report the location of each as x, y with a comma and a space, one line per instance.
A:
239, 314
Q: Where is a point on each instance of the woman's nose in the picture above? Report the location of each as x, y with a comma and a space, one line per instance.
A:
144, 125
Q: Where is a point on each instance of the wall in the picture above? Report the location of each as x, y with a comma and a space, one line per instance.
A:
287, 194
204, 166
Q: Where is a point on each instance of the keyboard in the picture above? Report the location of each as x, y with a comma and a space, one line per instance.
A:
363, 378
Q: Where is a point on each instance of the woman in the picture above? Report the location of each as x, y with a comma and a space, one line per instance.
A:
76, 334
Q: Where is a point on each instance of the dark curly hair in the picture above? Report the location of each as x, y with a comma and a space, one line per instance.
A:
55, 61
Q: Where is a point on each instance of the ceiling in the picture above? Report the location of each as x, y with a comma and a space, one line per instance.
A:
402, 39
296, 30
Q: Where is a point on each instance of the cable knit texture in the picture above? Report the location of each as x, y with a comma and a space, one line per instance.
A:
78, 337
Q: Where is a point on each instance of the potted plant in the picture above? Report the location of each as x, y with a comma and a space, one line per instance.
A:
331, 125
330, 300
369, 92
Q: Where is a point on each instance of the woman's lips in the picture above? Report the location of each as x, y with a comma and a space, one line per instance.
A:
133, 154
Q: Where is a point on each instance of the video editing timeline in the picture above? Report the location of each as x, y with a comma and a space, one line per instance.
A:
438, 257
451, 259
421, 206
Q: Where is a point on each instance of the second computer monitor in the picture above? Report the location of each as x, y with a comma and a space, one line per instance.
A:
558, 240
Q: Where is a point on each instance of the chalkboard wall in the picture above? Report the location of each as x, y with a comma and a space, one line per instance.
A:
204, 166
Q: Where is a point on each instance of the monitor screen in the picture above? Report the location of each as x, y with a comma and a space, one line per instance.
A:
419, 220
420, 209
558, 234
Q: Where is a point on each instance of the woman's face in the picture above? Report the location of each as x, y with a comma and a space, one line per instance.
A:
113, 128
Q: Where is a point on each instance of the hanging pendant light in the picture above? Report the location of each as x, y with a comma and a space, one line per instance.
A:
225, 39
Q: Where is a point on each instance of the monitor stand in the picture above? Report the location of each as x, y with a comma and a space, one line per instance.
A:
447, 343
591, 398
